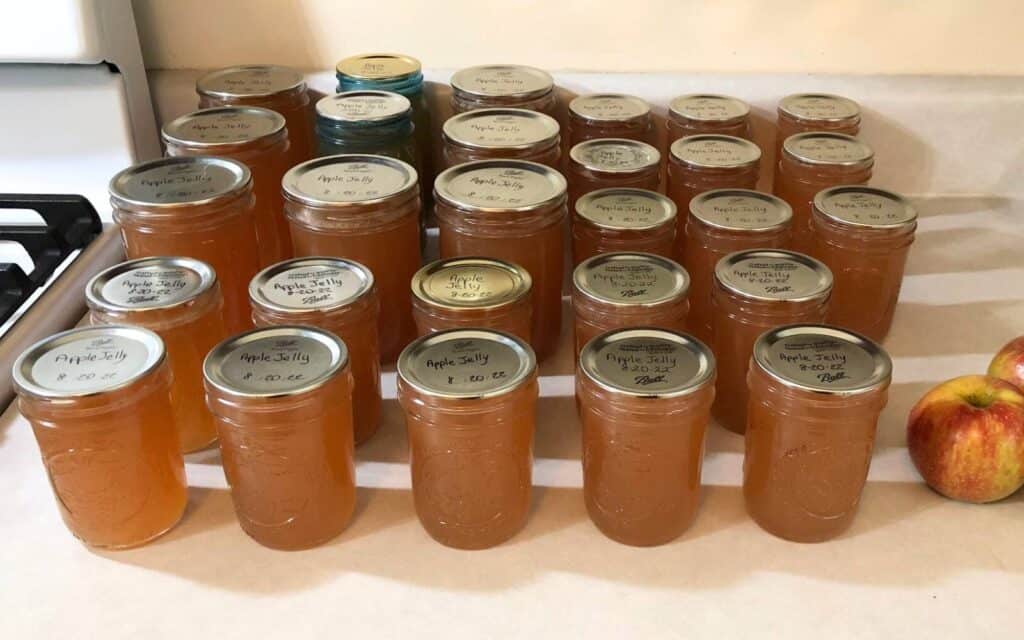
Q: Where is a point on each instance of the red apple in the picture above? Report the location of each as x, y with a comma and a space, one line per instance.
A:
966, 438
1008, 363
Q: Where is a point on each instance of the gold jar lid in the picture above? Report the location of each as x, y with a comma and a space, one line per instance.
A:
250, 81
223, 126
708, 107
500, 185
626, 208
471, 283
824, 148
87, 361
819, 107
630, 279
501, 128
715, 151
741, 210
349, 178
615, 155
310, 284
648, 363
609, 107
378, 66
180, 181
865, 207
148, 284
364, 106
822, 359
275, 362
774, 275
467, 364
502, 81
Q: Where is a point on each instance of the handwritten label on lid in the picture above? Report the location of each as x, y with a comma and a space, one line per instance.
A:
820, 107
819, 361
225, 126
188, 180
314, 287
866, 208
634, 210
364, 106
471, 285
615, 156
499, 186
774, 278
277, 364
609, 107
716, 151
151, 286
251, 81
502, 80
350, 181
738, 211
636, 280
827, 149
647, 365
501, 129
466, 366
709, 108
91, 364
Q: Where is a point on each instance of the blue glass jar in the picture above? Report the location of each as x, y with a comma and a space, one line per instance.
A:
367, 122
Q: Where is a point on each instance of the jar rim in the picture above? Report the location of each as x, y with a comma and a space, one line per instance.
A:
658, 268
407, 180
789, 105
150, 184
639, 109
550, 192
835, 204
383, 67
344, 294
855, 152
736, 110
98, 297
587, 207
645, 156
545, 130
262, 124
533, 82
741, 153
276, 80
814, 278
398, 107
701, 210
516, 286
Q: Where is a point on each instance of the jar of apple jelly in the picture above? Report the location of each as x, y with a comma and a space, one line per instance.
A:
178, 299
365, 208
644, 397
199, 207
815, 396
282, 397
470, 402
377, 122
755, 291
503, 85
863, 234
258, 139
623, 219
802, 112
703, 113
611, 162
272, 87
335, 295
473, 292
609, 115
619, 290
512, 210
489, 134
99, 402
721, 222
812, 162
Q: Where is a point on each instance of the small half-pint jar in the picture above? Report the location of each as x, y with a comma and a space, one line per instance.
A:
816, 393
503, 85
802, 112
470, 402
611, 162
701, 113
336, 295
99, 402
490, 134
609, 115
623, 219
282, 397
644, 398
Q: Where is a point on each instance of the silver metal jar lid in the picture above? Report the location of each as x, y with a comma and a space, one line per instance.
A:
500, 185
708, 107
741, 210
180, 181
715, 151
148, 284
471, 283
349, 178
364, 106
501, 128
865, 207
618, 208
275, 362
87, 361
648, 363
819, 107
615, 155
824, 148
774, 275
502, 81
310, 284
823, 359
222, 126
466, 364
250, 81
609, 107
630, 279
378, 66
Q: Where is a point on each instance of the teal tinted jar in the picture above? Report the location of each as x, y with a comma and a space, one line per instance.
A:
367, 122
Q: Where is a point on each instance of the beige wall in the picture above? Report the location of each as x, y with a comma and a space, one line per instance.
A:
831, 36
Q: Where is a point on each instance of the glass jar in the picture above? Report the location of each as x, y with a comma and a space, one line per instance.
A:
504, 85
609, 115
338, 296
756, 291
282, 397
704, 113
198, 207
802, 112
623, 219
620, 290
863, 234
815, 396
99, 402
272, 87
365, 208
493, 134
721, 222
258, 139
812, 162
644, 398
512, 210
473, 292
611, 162
470, 402
178, 299
375, 122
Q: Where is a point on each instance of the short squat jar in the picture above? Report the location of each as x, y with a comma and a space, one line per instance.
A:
364, 208
755, 291
282, 397
338, 296
99, 402
178, 299
373, 122
503, 85
612, 162
470, 403
618, 290
491, 134
703, 113
609, 115
644, 398
815, 396
473, 292
803, 112
623, 219
863, 234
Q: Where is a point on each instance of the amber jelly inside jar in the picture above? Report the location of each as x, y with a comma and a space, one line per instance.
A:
503, 85
623, 219
486, 134
610, 115
612, 162
802, 112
